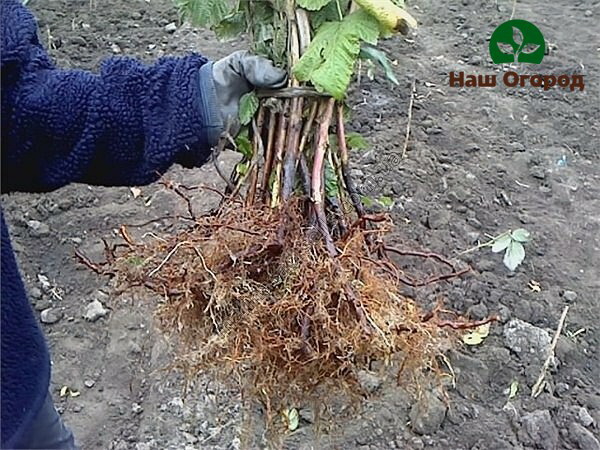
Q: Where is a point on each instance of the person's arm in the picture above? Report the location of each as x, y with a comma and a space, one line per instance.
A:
123, 126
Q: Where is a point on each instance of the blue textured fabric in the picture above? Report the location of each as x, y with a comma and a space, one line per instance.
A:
123, 126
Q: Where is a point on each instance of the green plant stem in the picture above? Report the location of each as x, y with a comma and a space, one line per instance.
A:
339, 9
485, 244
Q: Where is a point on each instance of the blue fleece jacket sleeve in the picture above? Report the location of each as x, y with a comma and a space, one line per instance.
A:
122, 126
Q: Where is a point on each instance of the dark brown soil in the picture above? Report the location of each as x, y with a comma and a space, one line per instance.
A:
479, 162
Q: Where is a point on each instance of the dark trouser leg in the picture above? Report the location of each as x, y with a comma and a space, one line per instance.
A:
47, 431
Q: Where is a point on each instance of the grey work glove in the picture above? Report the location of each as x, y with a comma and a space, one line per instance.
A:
229, 79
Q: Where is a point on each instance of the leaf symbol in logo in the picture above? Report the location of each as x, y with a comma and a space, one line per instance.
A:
530, 48
506, 48
517, 36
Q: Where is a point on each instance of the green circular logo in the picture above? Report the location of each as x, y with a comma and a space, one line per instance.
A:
517, 41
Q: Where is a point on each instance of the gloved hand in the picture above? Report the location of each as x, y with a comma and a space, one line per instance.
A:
231, 78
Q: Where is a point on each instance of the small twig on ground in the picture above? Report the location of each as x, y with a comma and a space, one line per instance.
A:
539, 384
466, 325
409, 120
86, 262
175, 188
426, 255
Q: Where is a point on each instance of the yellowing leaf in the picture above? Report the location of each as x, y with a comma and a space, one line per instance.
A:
476, 335
389, 15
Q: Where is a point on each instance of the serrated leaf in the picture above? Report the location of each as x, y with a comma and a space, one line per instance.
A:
515, 254
521, 235
380, 58
313, 5
517, 36
248, 107
506, 48
204, 13
501, 243
355, 141
329, 60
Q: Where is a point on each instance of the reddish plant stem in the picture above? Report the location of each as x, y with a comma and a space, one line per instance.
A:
426, 255
465, 325
88, 263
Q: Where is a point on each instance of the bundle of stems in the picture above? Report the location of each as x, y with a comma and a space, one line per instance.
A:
289, 284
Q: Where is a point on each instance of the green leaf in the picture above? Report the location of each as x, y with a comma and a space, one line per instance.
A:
521, 235
231, 26
355, 141
312, 5
367, 201
135, 261
372, 54
388, 202
204, 13
328, 13
331, 181
242, 168
244, 146
501, 243
329, 60
515, 254
248, 107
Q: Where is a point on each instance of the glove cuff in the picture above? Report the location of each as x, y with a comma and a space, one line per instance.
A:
210, 106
